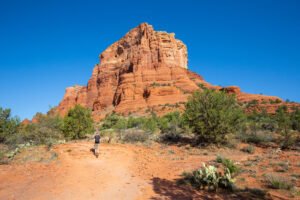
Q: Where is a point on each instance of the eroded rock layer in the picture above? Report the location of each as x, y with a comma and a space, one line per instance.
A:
145, 71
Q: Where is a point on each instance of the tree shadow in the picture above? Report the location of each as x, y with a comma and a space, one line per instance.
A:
166, 189
179, 140
171, 190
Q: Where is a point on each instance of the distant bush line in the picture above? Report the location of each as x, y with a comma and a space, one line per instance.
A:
210, 117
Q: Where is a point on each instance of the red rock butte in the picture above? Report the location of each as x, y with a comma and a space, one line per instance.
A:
146, 71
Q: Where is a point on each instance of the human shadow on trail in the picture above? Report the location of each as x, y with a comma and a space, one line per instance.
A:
93, 151
167, 189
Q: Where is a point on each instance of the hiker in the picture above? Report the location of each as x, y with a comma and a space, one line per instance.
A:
96, 146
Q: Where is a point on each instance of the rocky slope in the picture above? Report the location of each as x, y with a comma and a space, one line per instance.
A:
146, 71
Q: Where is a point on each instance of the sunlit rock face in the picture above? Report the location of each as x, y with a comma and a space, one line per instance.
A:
145, 71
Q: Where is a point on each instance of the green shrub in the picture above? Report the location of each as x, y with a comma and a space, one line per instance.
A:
231, 142
150, 124
219, 159
284, 126
252, 103
208, 177
154, 84
110, 121
170, 125
282, 122
121, 124
284, 166
8, 125
167, 122
136, 122
201, 85
276, 101
259, 137
278, 182
249, 149
46, 130
295, 119
133, 136
213, 115
228, 164
109, 135
283, 119
78, 123
257, 121
3, 158
264, 102
117, 122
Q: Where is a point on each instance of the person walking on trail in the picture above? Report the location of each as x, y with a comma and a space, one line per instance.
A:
96, 146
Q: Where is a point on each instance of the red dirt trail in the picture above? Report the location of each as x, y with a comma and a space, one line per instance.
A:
122, 172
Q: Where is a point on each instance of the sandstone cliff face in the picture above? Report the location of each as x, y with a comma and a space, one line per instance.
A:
144, 71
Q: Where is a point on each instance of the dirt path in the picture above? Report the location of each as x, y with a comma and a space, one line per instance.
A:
122, 171
76, 175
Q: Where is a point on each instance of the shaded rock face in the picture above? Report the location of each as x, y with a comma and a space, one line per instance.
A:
144, 71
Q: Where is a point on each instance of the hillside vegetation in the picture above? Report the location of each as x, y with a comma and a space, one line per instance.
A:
210, 119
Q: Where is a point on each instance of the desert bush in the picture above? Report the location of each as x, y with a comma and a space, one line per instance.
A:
117, 122
213, 115
171, 127
135, 135
150, 124
228, 164
219, 159
170, 120
257, 121
155, 84
46, 130
249, 149
295, 119
121, 124
278, 182
260, 125
78, 123
8, 125
231, 142
231, 166
284, 126
259, 137
208, 177
283, 119
136, 122
276, 101
201, 85
110, 121
252, 103
109, 135
3, 158
283, 166
288, 141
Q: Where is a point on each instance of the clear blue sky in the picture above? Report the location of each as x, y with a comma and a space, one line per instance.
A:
46, 46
